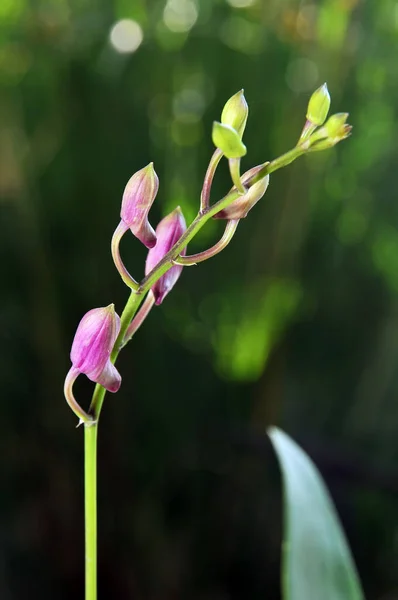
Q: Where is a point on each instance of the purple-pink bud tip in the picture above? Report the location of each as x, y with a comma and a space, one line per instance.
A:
92, 346
138, 197
168, 232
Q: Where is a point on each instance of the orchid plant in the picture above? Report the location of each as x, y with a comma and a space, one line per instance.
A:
101, 334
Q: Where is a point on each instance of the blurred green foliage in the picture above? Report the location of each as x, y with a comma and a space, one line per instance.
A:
296, 323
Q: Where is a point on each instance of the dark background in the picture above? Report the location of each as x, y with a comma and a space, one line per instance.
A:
295, 324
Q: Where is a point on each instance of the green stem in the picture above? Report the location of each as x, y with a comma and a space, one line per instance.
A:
90, 508
117, 259
71, 400
278, 163
90, 458
308, 130
234, 169
140, 317
194, 259
208, 180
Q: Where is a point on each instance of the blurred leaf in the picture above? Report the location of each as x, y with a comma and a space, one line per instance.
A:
249, 329
316, 561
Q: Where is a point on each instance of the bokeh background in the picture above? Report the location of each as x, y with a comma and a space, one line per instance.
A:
295, 324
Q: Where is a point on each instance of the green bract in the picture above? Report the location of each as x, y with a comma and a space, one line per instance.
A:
227, 139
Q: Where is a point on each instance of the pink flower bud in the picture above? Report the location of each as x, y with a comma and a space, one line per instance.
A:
138, 197
168, 232
92, 346
240, 207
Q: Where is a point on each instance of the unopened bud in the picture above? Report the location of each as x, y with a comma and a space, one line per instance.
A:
138, 197
333, 131
318, 106
235, 113
336, 127
168, 232
228, 140
92, 346
242, 205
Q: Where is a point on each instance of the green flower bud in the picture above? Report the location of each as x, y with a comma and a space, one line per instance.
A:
235, 113
318, 106
336, 128
228, 140
333, 131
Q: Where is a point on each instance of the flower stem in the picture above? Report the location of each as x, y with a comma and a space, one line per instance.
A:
234, 169
140, 317
193, 259
117, 259
278, 163
308, 130
90, 458
71, 400
90, 508
208, 180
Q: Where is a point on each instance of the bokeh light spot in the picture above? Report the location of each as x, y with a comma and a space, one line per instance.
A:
301, 75
188, 105
241, 3
10, 11
126, 36
306, 20
242, 35
180, 15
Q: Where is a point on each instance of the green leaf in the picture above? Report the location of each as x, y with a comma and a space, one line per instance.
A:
316, 560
